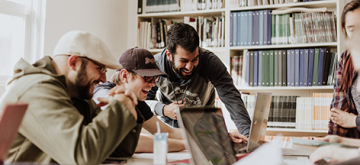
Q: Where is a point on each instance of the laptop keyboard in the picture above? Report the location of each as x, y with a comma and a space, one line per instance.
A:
296, 152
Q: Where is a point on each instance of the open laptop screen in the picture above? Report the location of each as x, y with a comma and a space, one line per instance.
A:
206, 129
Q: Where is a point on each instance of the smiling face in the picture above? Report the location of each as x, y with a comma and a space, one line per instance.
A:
184, 63
137, 84
88, 76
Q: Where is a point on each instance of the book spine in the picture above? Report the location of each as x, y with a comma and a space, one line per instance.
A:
292, 68
276, 71
271, 75
297, 67
316, 66
279, 68
249, 28
284, 68
256, 67
247, 76
321, 66
251, 77
301, 70
261, 27
232, 27
311, 66
306, 67
260, 81
288, 66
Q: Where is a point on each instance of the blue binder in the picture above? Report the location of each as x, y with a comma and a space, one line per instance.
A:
311, 66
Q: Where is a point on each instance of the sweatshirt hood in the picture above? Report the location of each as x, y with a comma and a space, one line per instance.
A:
42, 66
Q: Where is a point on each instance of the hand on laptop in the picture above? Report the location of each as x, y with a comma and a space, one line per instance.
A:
236, 137
333, 153
331, 139
170, 110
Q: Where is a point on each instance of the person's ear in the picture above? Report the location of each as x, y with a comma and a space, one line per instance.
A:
168, 55
124, 75
74, 62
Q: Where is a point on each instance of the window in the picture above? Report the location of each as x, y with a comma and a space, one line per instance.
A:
21, 33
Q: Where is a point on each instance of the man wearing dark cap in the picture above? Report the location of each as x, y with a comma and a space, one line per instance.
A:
194, 74
62, 124
138, 75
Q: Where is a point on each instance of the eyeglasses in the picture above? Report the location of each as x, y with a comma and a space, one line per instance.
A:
102, 68
146, 78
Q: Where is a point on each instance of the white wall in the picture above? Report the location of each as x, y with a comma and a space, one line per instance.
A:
108, 19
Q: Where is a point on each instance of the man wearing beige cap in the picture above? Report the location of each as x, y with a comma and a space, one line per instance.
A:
139, 74
62, 124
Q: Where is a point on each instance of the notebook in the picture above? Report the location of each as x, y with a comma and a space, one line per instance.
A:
10, 120
206, 136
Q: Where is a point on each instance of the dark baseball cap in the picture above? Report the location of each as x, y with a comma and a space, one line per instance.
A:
141, 61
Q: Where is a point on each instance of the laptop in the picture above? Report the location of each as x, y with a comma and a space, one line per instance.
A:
10, 120
206, 136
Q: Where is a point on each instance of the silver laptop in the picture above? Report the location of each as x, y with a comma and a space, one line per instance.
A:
206, 136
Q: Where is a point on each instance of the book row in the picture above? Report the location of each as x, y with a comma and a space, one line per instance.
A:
285, 67
158, 6
245, 3
261, 27
304, 113
211, 31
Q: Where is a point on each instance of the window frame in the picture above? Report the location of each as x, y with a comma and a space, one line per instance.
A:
34, 16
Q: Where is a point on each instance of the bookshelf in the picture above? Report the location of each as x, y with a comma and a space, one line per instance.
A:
226, 52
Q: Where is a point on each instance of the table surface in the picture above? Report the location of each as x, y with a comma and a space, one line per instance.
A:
147, 158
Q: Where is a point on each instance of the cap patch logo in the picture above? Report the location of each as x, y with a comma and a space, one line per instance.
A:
148, 60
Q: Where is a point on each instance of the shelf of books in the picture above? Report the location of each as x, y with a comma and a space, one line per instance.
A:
238, 6
309, 45
327, 87
209, 12
157, 17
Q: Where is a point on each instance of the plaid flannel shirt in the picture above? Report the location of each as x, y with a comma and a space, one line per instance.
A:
341, 101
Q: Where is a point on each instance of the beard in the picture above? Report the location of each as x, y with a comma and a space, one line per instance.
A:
178, 71
83, 89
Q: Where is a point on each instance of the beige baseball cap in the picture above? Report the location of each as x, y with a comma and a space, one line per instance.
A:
85, 44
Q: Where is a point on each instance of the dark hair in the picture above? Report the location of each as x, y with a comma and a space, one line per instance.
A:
183, 35
348, 70
351, 6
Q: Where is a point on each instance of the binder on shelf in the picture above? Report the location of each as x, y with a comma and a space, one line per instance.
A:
297, 67
255, 27
311, 66
260, 80
265, 22
284, 68
306, 67
269, 27
276, 70
292, 68
316, 66
231, 29
271, 75
279, 67
251, 73
140, 6
256, 67
261, 27
288, 54
326, 67
321, 66
302, 68
247, 77
249, 27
